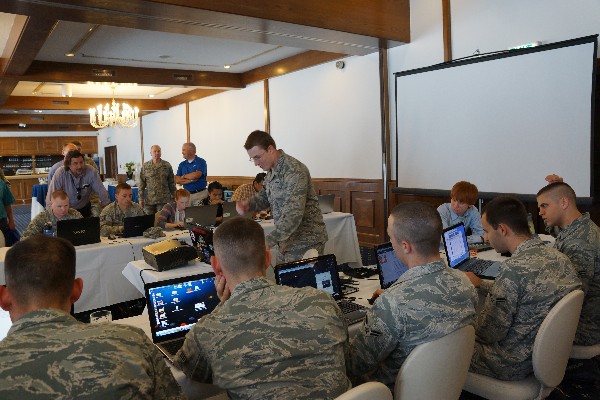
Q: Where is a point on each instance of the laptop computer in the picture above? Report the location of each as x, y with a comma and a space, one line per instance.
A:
457, 253
174, 307
202, 215
326, 203
79, 231
229, 210
135, 226
321, 273
389, 267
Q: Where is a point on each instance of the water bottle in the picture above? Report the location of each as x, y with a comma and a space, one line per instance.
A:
48, 230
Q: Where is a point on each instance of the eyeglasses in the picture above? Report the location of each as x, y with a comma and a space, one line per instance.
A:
256, 158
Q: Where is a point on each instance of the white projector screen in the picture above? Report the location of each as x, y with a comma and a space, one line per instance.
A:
502, 121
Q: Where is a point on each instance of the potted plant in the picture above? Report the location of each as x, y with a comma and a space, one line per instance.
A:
130, 168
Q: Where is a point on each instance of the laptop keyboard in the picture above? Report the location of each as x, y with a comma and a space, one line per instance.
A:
348, 306
173, 346
477, 265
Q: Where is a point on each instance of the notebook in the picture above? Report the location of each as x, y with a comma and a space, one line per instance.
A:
389, 267
135, 226
79, 231
321, 273
229, 210
202, 215
457, 253
174, 307
326, 203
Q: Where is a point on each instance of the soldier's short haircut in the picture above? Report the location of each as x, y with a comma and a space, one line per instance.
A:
71, 154
190, 145
40, 268
59, 193
261, 139
214, 185
509, 211
556, 190
122, 186
179, 193
420, 224
240, 244
260, 177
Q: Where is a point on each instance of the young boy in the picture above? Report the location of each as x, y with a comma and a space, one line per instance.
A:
463, 196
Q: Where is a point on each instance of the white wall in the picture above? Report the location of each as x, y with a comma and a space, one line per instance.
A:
127, 141
166, 129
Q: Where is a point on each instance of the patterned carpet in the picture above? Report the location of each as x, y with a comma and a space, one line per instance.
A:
22, 216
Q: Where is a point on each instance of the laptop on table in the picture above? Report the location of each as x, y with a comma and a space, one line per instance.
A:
389, 267
321, 273
326, 203
202, 215
229, 210
457, 254
174, 307
135, 226
79, 231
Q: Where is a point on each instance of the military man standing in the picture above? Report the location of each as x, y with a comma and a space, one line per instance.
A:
49, 354
427, 302
264, 341
527, 286
289, 191
157, 183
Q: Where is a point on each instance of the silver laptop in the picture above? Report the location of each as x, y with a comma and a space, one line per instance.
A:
174, 307
326, 203
457, 253
389, 267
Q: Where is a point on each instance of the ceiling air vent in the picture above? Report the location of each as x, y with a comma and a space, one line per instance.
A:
60, 102
106, 73
182, 77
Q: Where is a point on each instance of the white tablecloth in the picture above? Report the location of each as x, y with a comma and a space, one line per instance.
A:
139, 272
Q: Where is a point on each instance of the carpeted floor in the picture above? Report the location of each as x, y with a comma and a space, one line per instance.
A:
22, 216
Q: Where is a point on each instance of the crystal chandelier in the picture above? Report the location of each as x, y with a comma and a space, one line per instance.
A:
114, 116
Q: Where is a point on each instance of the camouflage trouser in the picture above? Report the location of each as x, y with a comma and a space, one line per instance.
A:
296, 253
96, 206
153, 208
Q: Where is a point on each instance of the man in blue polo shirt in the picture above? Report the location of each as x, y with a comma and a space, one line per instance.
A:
191, 173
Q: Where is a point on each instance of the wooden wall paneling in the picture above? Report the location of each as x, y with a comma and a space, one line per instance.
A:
50, 145
9, 146
28, 145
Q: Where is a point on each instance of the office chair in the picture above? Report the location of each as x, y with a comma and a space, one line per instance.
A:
367, 391
551, 350
437, 369
585, 352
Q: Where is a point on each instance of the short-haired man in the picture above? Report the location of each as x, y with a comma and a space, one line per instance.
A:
248, 190
66, 148
289, 192
86, 159
111, 218
157, 182
429, 301
461, 208
49, 354
59, 210
578, 239
79, 181
526, 288
215, 197
191, 173
264, 341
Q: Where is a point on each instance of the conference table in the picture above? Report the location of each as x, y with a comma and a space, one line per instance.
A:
101, 265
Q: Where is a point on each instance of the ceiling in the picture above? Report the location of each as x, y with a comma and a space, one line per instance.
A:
59, 59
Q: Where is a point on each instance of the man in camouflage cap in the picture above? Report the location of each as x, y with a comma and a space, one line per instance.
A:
49, 354
578, 239
289, 191
427, 302
157, 182
264, 341
527, 286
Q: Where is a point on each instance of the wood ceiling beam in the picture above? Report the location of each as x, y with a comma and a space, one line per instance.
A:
191, 96
44, 119
77, 103
46, 71
47, 128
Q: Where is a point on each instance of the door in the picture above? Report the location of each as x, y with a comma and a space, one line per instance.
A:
110, 161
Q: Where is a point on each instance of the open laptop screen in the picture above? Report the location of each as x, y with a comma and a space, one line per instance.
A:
320, 272
455, 244
389, 267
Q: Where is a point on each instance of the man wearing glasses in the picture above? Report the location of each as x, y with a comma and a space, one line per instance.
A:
289, 191
79, 181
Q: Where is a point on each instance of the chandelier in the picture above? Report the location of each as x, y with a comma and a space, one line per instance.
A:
116, 115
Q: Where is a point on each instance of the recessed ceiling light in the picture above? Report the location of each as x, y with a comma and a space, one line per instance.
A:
37, 111
226, 66
150, 95
69, 55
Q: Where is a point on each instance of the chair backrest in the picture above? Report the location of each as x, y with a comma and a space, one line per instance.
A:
2, 240
367, 391
437, 369
156, 215
554, 339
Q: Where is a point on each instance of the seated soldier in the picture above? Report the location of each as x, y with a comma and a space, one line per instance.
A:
461, 209
49, 354
59, 210
111, 218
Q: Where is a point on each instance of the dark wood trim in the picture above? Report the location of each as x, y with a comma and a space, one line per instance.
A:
44, 119
47, 128
447, 29
267, 106
76, 103
187, 122
192, 95
142, 139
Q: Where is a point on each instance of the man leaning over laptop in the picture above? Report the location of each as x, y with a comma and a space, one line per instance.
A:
59, 210
111, 218
427, 302
49, 354
264, 341
527, 286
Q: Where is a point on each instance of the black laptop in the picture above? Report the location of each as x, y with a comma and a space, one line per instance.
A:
135, 226
79, 231
174, 307
321, 273
457, 253
389, 267
202, 215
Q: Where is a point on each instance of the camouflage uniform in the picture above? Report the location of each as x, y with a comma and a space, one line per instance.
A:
426, 303
156, 186
49, 355
270, 342
36, 226
580, 241
111, 218
528, 285
299, 225
96, 206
